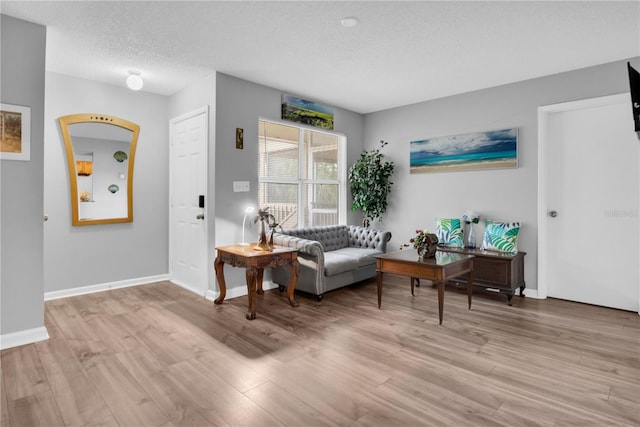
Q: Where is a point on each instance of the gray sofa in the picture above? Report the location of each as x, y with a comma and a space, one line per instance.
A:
331, 256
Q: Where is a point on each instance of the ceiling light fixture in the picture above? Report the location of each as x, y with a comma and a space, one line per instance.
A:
134, 81
349, 21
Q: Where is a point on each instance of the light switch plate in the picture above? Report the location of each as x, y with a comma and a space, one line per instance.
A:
241, 186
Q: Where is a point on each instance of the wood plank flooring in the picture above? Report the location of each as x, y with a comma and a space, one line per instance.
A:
157, 355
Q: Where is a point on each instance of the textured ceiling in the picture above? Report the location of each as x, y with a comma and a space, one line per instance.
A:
401, 53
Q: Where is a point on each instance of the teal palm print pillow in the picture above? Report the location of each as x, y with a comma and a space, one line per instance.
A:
449, 232
501, 236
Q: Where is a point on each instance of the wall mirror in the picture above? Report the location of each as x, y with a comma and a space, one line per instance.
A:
100, 156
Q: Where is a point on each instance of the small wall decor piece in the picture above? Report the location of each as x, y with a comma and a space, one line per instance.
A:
307, 112
239, 138
496, 149
114, 188
15, 132
120, 156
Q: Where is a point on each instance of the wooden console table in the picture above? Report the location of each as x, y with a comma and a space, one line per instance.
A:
443, 267
255, 262
495, 270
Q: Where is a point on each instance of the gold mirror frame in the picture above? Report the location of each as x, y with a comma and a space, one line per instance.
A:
72, 119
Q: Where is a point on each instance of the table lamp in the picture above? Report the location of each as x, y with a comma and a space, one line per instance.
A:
247, 211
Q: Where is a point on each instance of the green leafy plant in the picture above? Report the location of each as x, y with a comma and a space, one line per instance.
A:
370, 184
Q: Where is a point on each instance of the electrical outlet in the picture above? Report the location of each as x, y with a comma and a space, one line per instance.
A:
241, 186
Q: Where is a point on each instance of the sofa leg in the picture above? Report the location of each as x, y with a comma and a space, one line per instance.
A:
318, 298
281, 288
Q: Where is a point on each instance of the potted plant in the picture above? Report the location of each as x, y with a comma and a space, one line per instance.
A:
370, 184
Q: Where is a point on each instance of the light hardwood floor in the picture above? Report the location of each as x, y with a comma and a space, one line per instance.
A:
157, 355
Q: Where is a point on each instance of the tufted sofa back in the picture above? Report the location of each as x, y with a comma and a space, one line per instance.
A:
331, 237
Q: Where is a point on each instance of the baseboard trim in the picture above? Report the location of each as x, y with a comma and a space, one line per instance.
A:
532, 293
28, 336
101, 287
238, 291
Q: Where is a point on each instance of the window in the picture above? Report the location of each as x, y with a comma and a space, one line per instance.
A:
301, 175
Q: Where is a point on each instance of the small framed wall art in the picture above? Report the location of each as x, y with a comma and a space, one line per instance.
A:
15, 132
307, 112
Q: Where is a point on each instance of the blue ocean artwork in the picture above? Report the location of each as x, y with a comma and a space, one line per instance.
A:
496, 149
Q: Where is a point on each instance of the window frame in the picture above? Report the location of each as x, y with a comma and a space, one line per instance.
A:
303, 182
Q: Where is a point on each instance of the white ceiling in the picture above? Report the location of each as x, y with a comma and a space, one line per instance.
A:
401, 53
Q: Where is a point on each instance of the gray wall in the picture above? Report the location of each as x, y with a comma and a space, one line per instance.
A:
239, 105
21, 229
507, 195
84, 256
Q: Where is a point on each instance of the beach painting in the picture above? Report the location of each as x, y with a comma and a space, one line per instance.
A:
497, 149
307, 112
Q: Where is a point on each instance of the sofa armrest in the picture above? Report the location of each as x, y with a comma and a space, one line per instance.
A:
363, 237
312, 254
304, 246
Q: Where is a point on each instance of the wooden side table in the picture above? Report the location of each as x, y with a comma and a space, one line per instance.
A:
255, 261
496, 270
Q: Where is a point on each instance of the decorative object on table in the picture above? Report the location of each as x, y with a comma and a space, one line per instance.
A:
15, 138
450, 232
501, 236
496, 149
307, 112
370, 183
425, 242
120, 156
239, 138
247, 211
85, 196
265, 218
470, 218
113, 188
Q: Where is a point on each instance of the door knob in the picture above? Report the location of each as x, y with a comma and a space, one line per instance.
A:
553, 214
201, 216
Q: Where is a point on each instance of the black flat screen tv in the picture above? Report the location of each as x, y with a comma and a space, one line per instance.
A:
634, 87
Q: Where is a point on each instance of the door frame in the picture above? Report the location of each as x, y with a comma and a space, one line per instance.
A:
198, 111
543, 180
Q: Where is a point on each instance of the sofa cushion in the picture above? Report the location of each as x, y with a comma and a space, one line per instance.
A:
336, 262
346, 259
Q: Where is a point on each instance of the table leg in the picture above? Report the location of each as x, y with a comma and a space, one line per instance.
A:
293, 280
469, 288
259, 289
219, 267
379, 288
413, 283
440, 300
251, 275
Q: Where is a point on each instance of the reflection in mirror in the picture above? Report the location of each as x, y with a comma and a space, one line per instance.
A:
100, 154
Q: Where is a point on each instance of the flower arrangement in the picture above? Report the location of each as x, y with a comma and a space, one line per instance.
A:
471, 217
424, 241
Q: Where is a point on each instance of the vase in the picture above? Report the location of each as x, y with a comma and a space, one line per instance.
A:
471, 237
263, 244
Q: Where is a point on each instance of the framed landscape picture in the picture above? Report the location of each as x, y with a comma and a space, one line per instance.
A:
307, 112
497, 149
15, 132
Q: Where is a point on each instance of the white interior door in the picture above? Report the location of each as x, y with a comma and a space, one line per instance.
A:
188, 241
589, 250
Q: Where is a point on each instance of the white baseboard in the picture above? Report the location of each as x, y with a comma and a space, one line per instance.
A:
29, 336
238, 291
531, 293
83, 290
